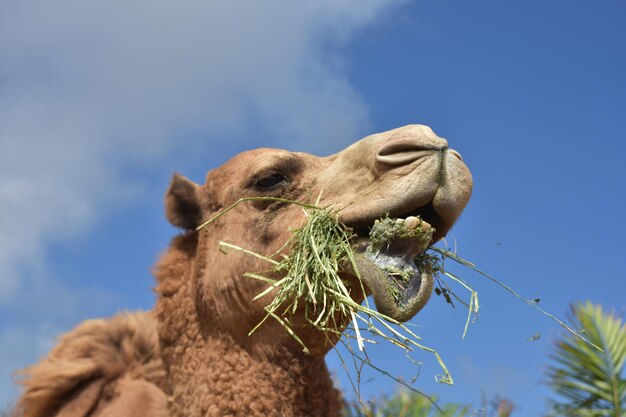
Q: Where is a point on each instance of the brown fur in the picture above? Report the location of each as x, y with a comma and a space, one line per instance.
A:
215, 373
90, 366
197, 354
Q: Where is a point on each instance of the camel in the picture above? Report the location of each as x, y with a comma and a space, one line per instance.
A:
192, 355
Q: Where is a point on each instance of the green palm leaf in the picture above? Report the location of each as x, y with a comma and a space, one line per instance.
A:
405, 404
590, 381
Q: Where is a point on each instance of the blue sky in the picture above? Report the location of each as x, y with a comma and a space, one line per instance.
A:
100, 103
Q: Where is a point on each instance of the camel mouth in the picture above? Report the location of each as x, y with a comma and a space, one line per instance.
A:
402, 281
427, 213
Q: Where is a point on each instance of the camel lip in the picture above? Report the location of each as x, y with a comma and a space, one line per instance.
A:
403, 276
393, 248
404, 281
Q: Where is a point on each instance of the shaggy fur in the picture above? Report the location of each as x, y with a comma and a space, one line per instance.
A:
95, 365
193, 356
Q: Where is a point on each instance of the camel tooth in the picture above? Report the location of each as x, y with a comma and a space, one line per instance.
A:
411, 222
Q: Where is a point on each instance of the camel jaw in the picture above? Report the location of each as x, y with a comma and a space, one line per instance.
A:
390, 265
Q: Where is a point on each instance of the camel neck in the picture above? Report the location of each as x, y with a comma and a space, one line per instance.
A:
218, 377
211, 373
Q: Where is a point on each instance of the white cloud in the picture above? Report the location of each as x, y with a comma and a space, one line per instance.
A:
85, 85
87, 88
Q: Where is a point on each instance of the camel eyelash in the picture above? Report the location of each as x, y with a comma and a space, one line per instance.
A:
271, 181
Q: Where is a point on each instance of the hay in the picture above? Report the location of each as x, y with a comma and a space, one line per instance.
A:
309, 265
318, 251
533, 302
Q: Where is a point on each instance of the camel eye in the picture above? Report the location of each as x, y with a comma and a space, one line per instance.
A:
270, 181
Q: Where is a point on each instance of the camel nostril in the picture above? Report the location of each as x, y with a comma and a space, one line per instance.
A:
406, 147
404, 157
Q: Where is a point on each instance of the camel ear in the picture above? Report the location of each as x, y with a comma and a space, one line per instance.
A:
182, 203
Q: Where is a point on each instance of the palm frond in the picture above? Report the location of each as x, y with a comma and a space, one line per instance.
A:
589, 381
405, 403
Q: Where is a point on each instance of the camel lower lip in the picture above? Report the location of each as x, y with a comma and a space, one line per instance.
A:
400, 286
404, 277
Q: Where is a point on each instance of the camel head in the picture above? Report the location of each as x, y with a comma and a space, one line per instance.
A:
403, 173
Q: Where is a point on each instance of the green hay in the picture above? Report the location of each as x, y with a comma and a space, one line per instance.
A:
387, 228
309, 265
533, 302
318, 251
